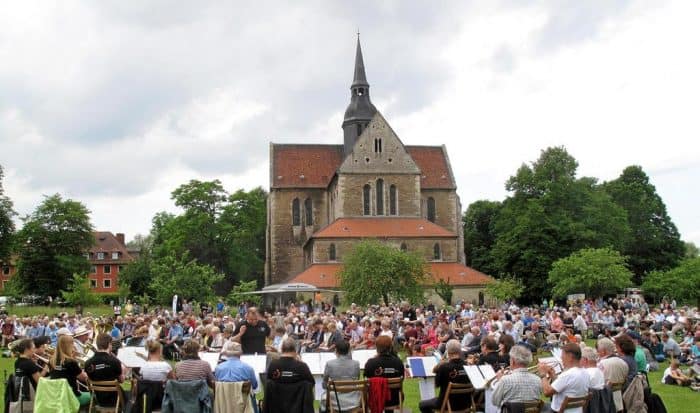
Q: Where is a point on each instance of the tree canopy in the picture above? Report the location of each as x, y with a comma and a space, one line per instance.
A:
185, 277
654, 242
549, 214
52, 245
506, 288
681, 283
593, 271
7, 225
375, 272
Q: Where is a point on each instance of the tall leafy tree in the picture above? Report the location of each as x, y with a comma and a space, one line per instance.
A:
681, 283
7, 225
185, 277
480, 234
52, 246
374, 272
654, 243
691, 250
550, 214
593, 271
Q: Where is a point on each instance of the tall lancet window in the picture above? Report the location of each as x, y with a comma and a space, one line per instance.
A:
380, 197
296, 212
431, 209
308, 209
392, 200
366, 193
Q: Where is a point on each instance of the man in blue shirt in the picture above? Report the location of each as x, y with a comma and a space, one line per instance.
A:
234, 369
174, 339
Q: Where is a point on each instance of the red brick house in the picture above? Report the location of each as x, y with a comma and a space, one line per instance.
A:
107, 258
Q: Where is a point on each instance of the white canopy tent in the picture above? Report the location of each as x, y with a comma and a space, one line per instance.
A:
280, 293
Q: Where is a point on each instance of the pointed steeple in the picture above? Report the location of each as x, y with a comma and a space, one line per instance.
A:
360, 110
360, 78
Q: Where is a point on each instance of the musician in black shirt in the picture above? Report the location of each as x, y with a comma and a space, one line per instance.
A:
103, 366
288, 368
385, 364
252, 333
448, 371
25, 365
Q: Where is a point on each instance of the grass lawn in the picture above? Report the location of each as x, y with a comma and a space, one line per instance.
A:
677, 399
34, 310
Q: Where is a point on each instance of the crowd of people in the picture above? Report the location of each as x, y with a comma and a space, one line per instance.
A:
631, 338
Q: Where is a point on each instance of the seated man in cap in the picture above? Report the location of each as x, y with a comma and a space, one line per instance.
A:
81, 336
233, 369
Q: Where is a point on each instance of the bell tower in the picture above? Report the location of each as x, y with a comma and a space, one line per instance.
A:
360, 110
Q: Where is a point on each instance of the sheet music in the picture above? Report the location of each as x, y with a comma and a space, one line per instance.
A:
556, 353
487, 371
316, 361
426, 387
129, 357
257, 361
362, 356
475, 376
211, 358
421, 366
551, 361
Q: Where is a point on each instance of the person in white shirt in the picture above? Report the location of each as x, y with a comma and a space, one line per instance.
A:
155, 368
572, 382
589, 361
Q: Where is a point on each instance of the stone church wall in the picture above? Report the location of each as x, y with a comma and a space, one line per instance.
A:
350, 195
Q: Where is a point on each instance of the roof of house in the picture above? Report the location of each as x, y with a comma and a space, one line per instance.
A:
106, 242
326, 275
313, 166
380, 227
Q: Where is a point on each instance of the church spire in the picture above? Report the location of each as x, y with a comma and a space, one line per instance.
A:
360, 110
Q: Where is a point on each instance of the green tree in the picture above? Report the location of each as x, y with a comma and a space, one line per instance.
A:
52, 246
7, 225
654, 243
549, 215
681, 283
183, 276
506, 288
691, 250
480, 234
237, 294
444, 290
136, 277
593, 271
79, 292
374, 272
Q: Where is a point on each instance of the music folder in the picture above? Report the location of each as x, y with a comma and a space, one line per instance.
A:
480, 375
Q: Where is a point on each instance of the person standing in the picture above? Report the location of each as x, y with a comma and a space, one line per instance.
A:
252, 333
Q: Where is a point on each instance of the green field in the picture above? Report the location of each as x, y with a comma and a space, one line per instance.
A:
677, 399
35, 310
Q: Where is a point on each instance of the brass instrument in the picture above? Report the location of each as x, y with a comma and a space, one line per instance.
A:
11, 346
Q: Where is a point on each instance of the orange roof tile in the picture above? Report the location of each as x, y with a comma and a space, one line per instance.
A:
382, 228
434, 166
325, 275
304, 166
106, 242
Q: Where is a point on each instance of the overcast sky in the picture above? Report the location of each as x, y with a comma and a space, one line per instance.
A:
116, 103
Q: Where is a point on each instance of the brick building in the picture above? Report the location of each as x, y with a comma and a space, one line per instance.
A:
325, 198
108, 256
7, 270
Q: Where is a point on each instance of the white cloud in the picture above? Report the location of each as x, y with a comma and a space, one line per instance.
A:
117, 103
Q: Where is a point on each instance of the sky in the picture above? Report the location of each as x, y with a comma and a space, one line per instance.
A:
116, 103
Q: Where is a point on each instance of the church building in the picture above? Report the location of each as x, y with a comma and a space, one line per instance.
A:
326, 198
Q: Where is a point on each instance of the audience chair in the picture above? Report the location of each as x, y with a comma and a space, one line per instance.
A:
396, 383
147, 395
345, 387
111, 386
233, 397
464, 400
572, 402
530, 406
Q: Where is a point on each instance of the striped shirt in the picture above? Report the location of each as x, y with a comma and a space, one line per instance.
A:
193, 369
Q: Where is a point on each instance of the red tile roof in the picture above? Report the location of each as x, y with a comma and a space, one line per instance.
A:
313, 166
304, 166
382, 228
106, 242
434, 166
325, 275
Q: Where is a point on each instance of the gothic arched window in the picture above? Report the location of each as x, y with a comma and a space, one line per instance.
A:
380, 197
366, 192
392, 200
431, 209
331, 252
296, 213
436, 251
308, 209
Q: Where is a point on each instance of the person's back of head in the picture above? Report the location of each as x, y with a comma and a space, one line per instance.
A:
453, 348
383, 344
574, 350
103, 341
521, 356
289, 345
342, 347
